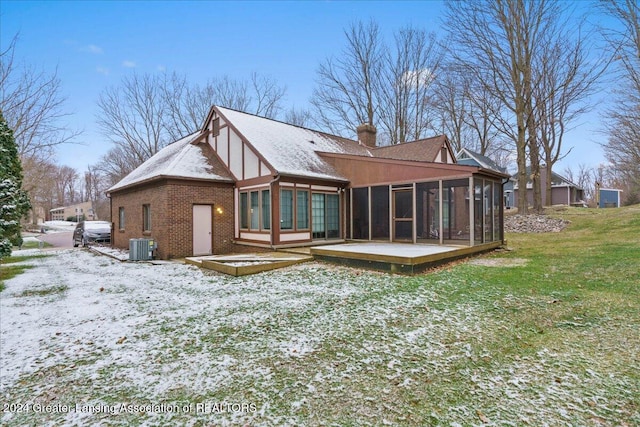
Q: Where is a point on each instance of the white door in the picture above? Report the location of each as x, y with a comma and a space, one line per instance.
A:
202, 239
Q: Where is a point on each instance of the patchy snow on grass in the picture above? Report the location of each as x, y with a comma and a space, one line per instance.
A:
498, 262
27, 252
170, 344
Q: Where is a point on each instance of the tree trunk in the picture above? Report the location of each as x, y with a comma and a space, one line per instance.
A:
521, 148
548, 185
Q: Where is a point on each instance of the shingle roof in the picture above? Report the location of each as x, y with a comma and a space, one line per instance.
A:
557, 180
180, 159
290, 149
423, 150
482, 161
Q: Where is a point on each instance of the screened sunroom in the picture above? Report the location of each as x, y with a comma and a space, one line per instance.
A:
436, 211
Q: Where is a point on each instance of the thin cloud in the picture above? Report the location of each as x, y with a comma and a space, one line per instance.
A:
92, 48
161, 68
128, 64
102, 70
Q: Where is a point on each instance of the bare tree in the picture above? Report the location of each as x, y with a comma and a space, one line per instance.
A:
188, 104
298, 117
584, 177
497, 41
622, 148
453, 106
67, 182
345, 96
267, 96
132, 117
32, 104
406, 93
483, 118
370, 83
565, 78
469, 114
146, 112
95, 191
116, 164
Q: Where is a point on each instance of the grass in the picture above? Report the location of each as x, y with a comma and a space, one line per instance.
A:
52, 290
32, 244
9, 271
553, 341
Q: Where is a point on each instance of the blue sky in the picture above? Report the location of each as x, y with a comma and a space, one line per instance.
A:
93, 44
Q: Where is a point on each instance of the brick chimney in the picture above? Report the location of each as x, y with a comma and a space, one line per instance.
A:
367, 135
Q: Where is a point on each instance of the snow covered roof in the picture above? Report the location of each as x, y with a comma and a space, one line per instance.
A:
289, 149
180, 159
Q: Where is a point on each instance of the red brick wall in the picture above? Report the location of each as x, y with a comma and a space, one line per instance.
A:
171, 204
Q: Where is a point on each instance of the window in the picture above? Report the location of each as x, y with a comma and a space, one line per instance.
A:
216, 126
146, 217
326, 215
244, 219
333, 216
266, 210
121, 218
302, 204
255, 211
318, 208
443, 154
286, 209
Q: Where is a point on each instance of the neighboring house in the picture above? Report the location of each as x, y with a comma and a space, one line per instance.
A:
563, 191
471, 158
76, 211
245, 182
609, 198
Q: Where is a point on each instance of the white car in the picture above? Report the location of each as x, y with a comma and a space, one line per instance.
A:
91, 232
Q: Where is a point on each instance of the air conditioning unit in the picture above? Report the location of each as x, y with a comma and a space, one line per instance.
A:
141, 249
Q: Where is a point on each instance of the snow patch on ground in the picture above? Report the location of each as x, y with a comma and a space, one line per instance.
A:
499, 262
81, 328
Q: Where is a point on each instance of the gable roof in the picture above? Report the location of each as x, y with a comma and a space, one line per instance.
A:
422, 150
180, 159
468, 157
289, 149
557, 180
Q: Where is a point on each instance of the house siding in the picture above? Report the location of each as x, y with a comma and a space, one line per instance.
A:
171, 203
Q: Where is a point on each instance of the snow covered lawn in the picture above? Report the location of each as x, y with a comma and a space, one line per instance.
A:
86, 339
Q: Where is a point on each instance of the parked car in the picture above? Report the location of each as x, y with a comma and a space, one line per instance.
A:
91, 232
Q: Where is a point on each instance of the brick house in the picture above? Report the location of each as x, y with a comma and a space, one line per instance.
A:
245, 183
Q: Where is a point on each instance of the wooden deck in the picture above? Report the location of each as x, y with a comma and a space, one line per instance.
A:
405, 258
244, 264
